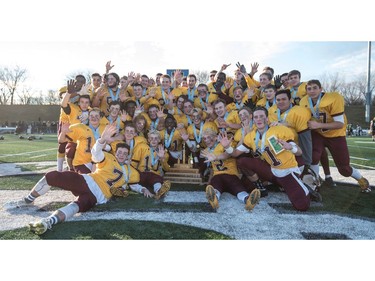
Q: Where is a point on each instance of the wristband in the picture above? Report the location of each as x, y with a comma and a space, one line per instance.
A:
229, 150
294, 149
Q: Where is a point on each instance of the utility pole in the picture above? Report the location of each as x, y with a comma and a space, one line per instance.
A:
368, 92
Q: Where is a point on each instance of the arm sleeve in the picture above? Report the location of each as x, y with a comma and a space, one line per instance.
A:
136, 187
97, 152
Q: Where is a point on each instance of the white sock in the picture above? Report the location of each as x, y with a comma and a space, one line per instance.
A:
242, 195
356, 174
315, 168
218, 194
69, 210
42, 186
60, 164
157, 186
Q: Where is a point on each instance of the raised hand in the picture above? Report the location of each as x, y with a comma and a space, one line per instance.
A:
225, 66
254, 68
109, 131
225, 142
161, 151
208, 155
124, 116
131, 78
84, 90
160, 113
277, 81
71, 86
108, 67
241, 67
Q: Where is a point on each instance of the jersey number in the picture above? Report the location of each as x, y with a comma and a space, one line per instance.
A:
275, 161
112, 182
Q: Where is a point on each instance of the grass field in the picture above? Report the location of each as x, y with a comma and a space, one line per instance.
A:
343, 199
14, 150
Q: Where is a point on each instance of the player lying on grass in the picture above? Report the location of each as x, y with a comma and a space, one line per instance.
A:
112, 177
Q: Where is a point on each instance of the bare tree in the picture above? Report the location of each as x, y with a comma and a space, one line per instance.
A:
332, 82
52, 97
11, 78
351, 94
202, 76
25, 95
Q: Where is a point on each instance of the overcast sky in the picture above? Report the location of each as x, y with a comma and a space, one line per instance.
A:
149, 37
48, 63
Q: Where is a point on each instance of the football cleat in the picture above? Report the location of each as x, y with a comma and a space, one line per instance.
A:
41, 226
328, 182
309, 178
211, 197
252, 199
365, 185
314, 195
165, 187
16, 204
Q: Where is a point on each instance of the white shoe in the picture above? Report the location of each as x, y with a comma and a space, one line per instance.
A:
16, 204
41, 226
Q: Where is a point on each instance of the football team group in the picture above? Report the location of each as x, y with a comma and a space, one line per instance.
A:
244, 136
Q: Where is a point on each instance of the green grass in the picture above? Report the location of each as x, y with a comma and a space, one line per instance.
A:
116, 230
14, 150
361, 147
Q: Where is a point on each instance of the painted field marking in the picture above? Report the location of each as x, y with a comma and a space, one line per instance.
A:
25, 153
359, 158
38, 156
364, 166
361, 146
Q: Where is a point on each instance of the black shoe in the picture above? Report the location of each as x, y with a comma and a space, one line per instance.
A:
328, 182
314, 195
263, 192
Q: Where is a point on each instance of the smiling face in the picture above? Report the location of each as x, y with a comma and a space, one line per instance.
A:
245, 116
122, 154
138, 91
220, 109
264, 79
153, 140
114, 111
94, 118
294, 80
283, 102
84, 103
238, 95
313, 91
111, 81
269, 94
209, 138
165, 83
188, 107
129, 133
260, 119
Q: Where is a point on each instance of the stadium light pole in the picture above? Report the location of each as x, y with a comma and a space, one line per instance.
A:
368, 92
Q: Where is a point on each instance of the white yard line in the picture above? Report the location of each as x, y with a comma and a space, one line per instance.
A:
361, 146
359, 158
364, 166
38, 156
24, 153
